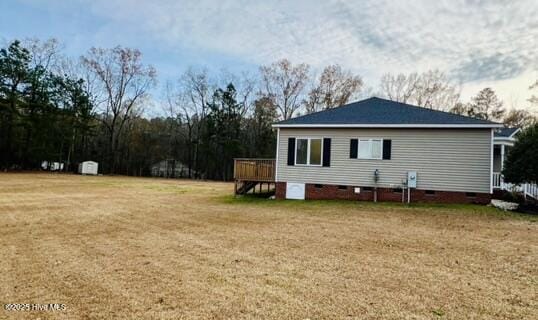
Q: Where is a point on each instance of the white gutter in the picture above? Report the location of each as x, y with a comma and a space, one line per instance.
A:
504, 139
433, 126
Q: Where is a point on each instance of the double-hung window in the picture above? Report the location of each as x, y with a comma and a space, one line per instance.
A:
370, 149
308, 151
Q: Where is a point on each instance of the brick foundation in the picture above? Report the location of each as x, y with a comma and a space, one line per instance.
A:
330, 192
497, 194
280, 190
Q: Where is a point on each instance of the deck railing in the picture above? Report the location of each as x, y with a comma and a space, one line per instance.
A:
530, 190
262, 170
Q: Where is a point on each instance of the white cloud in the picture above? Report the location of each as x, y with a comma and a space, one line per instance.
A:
514, 91
476, 42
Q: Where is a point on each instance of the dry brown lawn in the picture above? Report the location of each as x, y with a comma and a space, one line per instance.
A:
130, 248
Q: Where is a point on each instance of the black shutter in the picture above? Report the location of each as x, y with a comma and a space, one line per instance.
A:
291, 151
326, 152
353, 148
387, 146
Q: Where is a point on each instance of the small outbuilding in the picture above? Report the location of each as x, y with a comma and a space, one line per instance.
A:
88, 167
52, 166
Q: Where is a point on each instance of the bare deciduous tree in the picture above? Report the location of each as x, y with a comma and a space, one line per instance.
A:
124, 81
48, 55
44, 53
189, 103
459, 108
284, 83
77, 69
534, 98
399, 87
519, 118
431, 89
334, 87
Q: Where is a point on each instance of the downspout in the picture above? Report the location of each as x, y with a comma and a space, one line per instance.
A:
404, 187
376, 178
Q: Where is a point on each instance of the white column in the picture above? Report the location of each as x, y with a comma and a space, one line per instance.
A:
502, 167
491, 156
502, 157
276, 154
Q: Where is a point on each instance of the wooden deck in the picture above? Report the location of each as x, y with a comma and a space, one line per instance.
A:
248, 173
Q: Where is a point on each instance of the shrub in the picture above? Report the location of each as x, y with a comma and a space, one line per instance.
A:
521, 165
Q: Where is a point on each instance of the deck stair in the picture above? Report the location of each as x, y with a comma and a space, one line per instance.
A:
246, 186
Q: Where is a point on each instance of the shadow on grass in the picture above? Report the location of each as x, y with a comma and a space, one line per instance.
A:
428, 208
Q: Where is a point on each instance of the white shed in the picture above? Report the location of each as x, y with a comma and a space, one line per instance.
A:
88, 167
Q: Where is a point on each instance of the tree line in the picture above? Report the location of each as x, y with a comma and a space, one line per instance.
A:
56, 108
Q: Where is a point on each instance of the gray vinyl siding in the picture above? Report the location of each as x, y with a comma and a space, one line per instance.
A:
445, 159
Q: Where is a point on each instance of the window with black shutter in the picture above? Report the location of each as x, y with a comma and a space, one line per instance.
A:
306, 151
353, 148
291, 151
387, 149
326, 152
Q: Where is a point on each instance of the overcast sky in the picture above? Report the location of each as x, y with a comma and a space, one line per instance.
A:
478, 43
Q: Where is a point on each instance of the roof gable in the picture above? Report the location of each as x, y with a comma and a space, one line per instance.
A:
506, 132
377, 112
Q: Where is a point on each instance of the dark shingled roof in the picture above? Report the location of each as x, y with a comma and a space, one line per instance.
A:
377, 111
505, 132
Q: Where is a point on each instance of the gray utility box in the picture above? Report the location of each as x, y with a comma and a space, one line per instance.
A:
411, 179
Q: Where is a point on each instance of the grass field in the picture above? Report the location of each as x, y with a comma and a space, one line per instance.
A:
130, 248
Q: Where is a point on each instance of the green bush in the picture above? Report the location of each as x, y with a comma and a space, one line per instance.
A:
521, 165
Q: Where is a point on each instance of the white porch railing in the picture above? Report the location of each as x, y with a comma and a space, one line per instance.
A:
497, 181
531, 190
527, 189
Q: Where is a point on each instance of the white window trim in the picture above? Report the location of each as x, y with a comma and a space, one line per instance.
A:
308, 151
370, 140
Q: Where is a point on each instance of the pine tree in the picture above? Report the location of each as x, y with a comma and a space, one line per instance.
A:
486, 105
521, 165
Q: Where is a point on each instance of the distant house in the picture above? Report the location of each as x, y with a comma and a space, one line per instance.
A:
376, 149
171, 168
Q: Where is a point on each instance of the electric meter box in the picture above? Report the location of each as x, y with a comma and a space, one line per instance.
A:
412, 179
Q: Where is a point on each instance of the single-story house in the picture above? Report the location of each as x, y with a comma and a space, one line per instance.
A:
171, 168
378, 149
